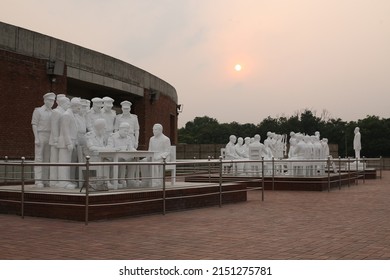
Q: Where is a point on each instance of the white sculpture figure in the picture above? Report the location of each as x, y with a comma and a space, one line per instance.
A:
240, 147
95, 112
231, 154
108, 114
309, 150
256, 152
324, 153
268, 143
121, 141
41, 126
317, 147
131, 119
161, 146
96, 142
357, 145
67, 143
81, 120
63, 104
247, 141
300, 151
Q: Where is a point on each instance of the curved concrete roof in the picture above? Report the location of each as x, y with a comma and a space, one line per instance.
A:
83, 64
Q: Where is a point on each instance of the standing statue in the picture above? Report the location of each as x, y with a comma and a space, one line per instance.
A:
95, 112
63, 103
67, 144
357, 145
131, 119
109, 115
161, 146
41, 126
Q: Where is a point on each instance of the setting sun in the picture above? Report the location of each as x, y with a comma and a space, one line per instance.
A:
237, 67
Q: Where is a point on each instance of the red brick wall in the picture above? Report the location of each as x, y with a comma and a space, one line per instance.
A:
23, 82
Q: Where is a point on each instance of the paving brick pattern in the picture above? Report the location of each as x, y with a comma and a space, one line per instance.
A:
351, 223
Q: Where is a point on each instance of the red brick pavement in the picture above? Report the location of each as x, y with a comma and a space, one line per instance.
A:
353, 223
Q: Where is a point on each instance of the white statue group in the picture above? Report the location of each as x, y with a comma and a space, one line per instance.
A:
302, 147
73, 130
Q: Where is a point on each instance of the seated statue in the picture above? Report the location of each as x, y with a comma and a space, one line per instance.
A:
121, 141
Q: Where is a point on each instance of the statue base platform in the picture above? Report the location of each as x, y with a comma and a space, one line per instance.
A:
71, 205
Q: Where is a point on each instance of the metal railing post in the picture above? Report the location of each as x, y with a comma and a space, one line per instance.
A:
357, 172
380, 167
164, 194
339, 173
220, 181
87, 189
5, 169
364, 170
328, 173
22, 194
349, 172
209, 158
273, 173
262, 178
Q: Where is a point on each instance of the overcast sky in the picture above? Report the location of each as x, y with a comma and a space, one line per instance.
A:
331, 55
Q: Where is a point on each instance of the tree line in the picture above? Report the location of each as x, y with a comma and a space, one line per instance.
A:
375, 131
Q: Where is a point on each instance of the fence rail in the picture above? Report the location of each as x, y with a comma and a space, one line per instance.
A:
21, 172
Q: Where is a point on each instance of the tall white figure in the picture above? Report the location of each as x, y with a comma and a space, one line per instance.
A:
63, 104
108, 114
161, 146
41, 126
67, 143
81, 120
131, 119
357, 145
95, 112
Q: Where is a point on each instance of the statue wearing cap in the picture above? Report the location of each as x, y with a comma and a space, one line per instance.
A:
41, 126
95, 112
129, 118
67, 144
63, 104
108, 114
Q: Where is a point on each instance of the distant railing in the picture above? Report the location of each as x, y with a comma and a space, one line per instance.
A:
220, 171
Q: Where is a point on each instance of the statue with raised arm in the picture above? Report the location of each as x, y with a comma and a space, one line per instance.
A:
41, 126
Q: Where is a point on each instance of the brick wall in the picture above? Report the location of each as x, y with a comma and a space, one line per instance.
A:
23, 82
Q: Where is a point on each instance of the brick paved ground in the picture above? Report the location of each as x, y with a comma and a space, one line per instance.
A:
353, 223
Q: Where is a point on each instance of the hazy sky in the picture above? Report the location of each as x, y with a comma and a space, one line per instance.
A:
331, 55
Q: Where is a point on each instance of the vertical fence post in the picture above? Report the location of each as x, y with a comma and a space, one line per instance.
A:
262, 178
5, 170
87, 189
220, 181
328, 173
349, 172
163, 181
364, 170
357, 172
22, 197
273, 173
380, 167
208, 159
339, 173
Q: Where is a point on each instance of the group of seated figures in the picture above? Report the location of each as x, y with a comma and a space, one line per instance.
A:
74, 130
301, 147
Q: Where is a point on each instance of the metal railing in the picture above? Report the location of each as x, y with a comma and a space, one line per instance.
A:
216, 171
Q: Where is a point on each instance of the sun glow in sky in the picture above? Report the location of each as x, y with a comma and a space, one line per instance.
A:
297, 54
237, 67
